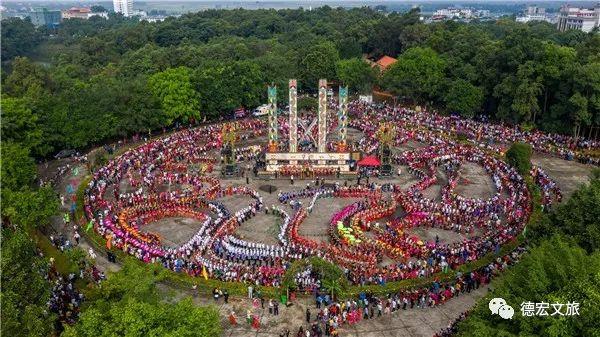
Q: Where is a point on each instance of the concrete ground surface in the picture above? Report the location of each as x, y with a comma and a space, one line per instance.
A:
264, 228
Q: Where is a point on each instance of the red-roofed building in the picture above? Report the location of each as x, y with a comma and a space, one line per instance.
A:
76, 13
384, 62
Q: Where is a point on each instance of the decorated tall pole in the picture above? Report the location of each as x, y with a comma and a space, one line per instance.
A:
272, 94
343, 119
293, 121
322, 126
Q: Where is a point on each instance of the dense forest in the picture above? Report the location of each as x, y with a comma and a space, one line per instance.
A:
94, 81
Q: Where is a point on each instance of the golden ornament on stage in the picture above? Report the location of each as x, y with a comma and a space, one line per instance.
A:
228, 134
386, 134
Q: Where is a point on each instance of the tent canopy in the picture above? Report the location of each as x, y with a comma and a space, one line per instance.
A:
369, 161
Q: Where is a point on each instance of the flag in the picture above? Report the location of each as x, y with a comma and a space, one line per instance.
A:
204, 273
89, 226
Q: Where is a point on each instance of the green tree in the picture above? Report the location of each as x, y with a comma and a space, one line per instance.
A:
525, 103
579, 112
19, 37
577, 218
333, 287
30, 208
174, 89
556, 271
223, 88
356, 74
20, 125
18, 168
519, 157
98, 9
332, 277
21, 204
586, 86
464, 98
417, 75
25, 290
25, 77
318, 62
554, 62
518, 94
213, 91
307, 103
127, 303
383, 36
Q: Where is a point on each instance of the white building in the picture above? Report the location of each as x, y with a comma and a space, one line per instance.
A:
535, 17
534, 13
584, 19
124, 7
451, 13
535, 10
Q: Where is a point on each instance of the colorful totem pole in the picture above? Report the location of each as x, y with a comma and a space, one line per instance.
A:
343, 119
293, 121
273, 139
322, 116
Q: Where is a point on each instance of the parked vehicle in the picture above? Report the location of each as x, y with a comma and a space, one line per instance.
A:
262, 110
65, 154
240, 113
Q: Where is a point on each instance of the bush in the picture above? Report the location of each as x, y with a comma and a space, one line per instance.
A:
307, 103
128, 303
332, 277
519, 157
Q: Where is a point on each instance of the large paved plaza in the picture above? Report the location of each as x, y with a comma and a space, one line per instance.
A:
474, 182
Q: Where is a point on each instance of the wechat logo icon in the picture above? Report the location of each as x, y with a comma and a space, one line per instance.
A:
498, 306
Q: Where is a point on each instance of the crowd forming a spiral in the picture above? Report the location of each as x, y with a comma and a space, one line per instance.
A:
153, 182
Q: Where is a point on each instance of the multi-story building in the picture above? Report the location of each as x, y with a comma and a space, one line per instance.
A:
535, 10
45, 17
76, 13
584, 19
81, 13
450, 13
124, 7
535, 13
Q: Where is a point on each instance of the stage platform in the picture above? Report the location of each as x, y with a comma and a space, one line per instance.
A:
268, 175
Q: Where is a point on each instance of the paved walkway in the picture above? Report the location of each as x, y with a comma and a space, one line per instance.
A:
410, 322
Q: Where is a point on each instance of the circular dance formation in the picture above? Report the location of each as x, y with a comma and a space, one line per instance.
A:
366, 237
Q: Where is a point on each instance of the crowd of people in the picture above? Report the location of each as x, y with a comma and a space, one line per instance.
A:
65, 300
137, 188
331, 314
366, 117
452, 328
151, 182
